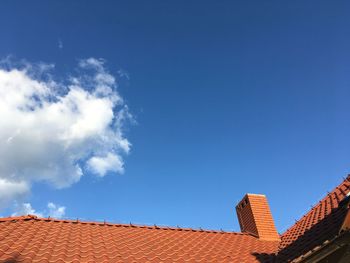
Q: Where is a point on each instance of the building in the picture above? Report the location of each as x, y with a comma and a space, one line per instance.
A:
321, 235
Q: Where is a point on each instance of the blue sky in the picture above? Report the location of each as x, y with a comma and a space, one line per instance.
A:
229, 98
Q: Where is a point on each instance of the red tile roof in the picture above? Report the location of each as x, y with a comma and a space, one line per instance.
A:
32, 239
322, 223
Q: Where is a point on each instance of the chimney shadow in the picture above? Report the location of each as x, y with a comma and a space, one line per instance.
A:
12, 259
265, 257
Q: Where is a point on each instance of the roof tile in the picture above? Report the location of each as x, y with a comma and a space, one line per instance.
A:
322, 223
32, 239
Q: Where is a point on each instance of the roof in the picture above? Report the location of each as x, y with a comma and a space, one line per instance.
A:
321, 224
32, 239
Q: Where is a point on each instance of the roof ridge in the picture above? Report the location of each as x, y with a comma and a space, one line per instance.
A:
317, 204
77, 221
12, 218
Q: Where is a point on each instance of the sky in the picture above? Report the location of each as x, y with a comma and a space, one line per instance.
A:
168, 112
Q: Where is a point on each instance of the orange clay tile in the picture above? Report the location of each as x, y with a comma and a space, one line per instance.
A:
42, 240
321, 224
32, 239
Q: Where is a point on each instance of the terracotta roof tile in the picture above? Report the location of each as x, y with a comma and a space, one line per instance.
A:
32, 239
322, 223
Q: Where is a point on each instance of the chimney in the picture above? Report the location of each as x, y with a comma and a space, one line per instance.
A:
255, 217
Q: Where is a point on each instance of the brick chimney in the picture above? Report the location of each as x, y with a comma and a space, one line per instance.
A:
255, 217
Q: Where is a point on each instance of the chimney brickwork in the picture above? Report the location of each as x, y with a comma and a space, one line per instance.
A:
255, 217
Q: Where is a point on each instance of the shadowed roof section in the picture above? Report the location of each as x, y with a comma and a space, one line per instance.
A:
321, 224
32, 239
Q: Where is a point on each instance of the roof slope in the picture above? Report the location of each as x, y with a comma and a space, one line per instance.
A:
32, 239
322, 223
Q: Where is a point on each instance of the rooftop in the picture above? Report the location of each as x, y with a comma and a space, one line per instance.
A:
33, 239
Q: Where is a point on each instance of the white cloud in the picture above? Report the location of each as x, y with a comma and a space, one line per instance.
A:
53, 210
124, 74
25, 209
111, 162
50, 131
12, 189
60, 44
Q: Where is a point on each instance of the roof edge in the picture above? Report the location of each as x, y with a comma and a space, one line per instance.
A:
14, 218
77, 221
315, 205
319, 249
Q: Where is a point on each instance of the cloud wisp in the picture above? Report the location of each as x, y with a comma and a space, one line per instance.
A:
60, 44
56, 131
52, 210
